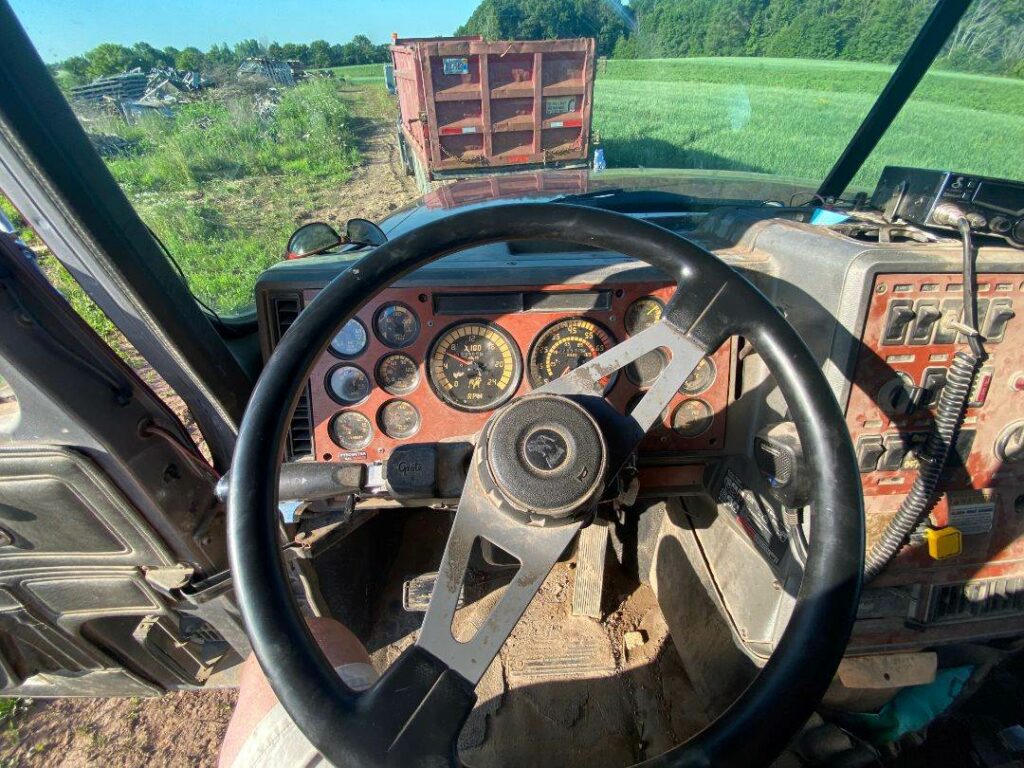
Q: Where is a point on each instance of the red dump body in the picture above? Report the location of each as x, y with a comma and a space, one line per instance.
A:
469, 105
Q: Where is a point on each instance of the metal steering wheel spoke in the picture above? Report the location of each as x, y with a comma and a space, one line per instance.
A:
587, 380
536, 547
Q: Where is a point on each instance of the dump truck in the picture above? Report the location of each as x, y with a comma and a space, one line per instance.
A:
471, 106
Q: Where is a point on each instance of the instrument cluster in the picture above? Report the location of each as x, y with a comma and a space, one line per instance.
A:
428, 365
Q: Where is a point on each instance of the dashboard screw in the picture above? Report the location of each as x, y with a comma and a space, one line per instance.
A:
880, 288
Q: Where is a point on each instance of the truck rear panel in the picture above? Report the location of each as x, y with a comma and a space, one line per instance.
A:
469, 105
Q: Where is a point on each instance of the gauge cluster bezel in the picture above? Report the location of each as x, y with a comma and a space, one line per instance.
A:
443, 420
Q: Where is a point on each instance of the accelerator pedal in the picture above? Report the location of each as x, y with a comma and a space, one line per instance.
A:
586, 594
417, 590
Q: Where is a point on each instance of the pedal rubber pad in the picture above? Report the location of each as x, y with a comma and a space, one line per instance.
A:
586, 594
417, 590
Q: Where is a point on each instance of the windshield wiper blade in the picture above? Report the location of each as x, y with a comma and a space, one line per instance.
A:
649, 201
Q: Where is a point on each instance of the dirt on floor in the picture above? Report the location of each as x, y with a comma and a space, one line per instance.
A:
180, 729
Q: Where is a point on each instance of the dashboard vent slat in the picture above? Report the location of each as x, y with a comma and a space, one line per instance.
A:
976, 599
285, 309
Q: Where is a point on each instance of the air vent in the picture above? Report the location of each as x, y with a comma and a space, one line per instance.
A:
976, 599
286, 308
300, 433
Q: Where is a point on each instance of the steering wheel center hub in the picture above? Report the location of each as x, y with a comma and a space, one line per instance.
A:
545, 455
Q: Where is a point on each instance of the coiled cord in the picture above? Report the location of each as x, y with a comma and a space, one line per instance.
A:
924, 493
949, 416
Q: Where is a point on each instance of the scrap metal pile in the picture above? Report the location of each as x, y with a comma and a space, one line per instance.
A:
135, 92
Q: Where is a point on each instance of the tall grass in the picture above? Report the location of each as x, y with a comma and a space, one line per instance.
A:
309, 134
224, 181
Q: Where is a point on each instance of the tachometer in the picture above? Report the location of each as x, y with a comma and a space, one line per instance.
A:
566, 345
474, 366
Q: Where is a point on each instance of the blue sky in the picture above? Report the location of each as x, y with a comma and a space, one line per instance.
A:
62, 28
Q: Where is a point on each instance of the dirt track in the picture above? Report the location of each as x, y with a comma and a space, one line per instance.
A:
182, 729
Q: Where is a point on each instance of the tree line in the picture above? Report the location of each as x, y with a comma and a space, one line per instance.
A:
990, 38
111, 58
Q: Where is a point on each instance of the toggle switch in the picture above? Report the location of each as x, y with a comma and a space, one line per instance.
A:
999, 314
928, 313
900, 314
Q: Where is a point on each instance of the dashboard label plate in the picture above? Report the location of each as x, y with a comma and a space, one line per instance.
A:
972, 513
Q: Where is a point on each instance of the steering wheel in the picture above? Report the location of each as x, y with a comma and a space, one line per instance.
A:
540, 464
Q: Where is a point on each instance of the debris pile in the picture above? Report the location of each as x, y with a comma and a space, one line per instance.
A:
136, 84
271, 70
111, 145
135, 92
128, 85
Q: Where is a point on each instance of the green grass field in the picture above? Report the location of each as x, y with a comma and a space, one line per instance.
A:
793, 117
360, 73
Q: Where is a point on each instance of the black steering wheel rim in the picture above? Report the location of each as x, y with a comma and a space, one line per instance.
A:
719, 303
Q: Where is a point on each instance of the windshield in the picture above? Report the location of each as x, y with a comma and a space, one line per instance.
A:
230, 124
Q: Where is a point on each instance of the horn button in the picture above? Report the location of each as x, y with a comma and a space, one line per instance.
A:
544, 456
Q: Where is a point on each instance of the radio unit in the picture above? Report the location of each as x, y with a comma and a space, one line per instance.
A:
994, 206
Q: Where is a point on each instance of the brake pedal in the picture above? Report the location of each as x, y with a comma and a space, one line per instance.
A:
586, 594
417, 590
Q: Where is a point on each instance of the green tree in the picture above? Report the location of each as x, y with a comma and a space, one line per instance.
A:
320, 54
190, 58
606, 20
148, 57
109, 59
248, 49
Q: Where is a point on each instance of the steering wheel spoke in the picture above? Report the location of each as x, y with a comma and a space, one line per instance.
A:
536, 547
588, 380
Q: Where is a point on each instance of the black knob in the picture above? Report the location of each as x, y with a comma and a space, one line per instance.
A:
1017, 234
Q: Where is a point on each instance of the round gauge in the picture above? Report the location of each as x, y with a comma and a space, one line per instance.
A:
399, 419
646, 369
348, 384
352, 431
396, 325
700, 378
566, 345
692, 418
398, 374
643, 313
350, 340
474, 366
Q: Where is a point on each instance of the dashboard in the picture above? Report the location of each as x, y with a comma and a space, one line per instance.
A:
429, 359
427, 364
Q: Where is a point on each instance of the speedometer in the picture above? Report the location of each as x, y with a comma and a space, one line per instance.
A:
474, 366
566, 345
